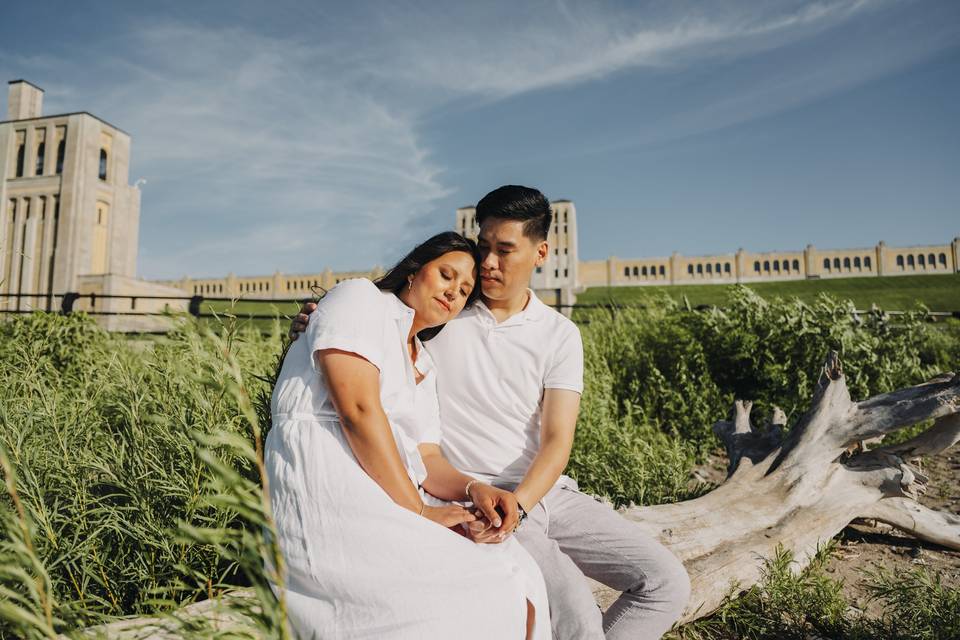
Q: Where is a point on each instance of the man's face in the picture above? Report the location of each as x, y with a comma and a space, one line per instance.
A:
507, 258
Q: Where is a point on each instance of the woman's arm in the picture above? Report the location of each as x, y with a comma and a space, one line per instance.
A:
354, 386
447, 483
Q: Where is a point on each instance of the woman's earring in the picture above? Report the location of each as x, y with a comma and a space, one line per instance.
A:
409, 284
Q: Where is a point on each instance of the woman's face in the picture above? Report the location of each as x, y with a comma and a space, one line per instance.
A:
439, 291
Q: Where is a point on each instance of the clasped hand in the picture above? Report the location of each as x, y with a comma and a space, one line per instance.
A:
496, 512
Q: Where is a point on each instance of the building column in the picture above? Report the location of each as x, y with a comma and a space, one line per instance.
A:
16, 247
810, 264
955, 253
275, 284
610, 262
738, 264
674, 257
881, 258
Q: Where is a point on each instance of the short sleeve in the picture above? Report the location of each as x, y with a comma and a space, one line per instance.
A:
566, 368
351, 317
428, 426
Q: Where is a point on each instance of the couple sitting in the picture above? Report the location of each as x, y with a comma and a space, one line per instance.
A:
376, 434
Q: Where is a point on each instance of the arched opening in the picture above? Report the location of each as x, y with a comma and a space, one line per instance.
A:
644, 272
856, 262
699, 269
932, 260
776, 266
796, 265
636, 271
690, 269
726, 268
910, 261
836, 263
103, 164
709, 268
766, 266
846, 264
943, 260
900, 261
663, 270
826, 264
626, 271
756, 266
867, 264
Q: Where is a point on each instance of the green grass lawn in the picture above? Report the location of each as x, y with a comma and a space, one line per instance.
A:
938, 292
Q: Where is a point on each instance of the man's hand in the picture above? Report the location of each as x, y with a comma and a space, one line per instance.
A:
496, 511
299, 324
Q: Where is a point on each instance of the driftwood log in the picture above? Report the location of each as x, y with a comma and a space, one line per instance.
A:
797, 489
800, 489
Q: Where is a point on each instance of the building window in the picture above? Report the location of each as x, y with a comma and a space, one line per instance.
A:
856, 262
826, 264
556, 273
21, 154
663, 270
796, 265
786, 266
61, 152
943, 259
103, 164
910, 262
636, 271
709, 268
644, 272
756, 266
766, 266
900, 261
866, 262
921, 260
566, 273
626, 271
931, 260
846, 263
41, 152
836, 263
690, 269
717, 268
726, 268
776, 266
699, 268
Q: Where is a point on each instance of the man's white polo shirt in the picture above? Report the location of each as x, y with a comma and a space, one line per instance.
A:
490, 381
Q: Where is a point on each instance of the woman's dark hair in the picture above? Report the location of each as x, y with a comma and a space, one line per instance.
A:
395, 279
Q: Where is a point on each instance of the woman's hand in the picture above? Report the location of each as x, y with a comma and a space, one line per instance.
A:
449, 516
498, 508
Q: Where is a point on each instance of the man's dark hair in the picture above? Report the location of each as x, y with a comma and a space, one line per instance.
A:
395, 279
513, 202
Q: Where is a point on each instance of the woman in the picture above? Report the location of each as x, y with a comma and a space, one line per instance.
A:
366, 556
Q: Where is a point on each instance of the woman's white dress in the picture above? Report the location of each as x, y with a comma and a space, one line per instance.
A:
357, 564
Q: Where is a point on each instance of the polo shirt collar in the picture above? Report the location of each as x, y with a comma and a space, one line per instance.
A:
397, 309
531, 313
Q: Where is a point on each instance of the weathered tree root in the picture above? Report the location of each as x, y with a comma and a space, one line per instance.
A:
802, 489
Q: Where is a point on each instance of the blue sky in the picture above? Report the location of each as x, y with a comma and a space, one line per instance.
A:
301, 135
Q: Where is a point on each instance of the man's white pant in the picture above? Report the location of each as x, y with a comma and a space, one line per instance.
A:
570, 534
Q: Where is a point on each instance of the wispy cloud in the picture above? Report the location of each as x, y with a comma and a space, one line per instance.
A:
303, 150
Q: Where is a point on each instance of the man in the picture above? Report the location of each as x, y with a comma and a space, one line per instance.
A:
510, 375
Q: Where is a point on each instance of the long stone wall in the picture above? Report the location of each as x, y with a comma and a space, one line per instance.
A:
744, 266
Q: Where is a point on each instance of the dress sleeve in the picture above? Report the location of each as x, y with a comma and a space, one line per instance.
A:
566, 370
351, 317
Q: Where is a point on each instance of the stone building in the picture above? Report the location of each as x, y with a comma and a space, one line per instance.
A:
744, 266
70, 220
279, 286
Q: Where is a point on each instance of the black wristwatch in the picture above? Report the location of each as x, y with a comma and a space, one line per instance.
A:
523, 514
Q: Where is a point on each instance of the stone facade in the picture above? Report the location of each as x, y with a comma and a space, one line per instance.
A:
279, 286
70, 220
744, 266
